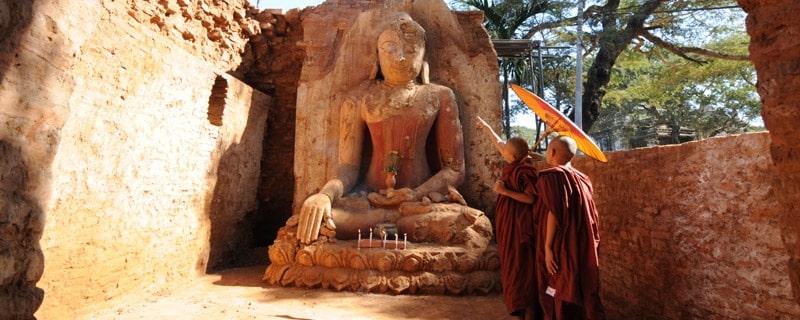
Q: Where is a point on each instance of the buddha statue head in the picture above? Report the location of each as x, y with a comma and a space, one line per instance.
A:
401, 52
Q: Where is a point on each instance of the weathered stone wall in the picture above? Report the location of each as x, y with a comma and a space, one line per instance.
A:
775, 52
340, 45
272, 64
692, 232
26, 152
109, 130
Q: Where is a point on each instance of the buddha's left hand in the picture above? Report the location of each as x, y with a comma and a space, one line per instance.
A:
394, 197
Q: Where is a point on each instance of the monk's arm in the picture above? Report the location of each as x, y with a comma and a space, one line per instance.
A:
496, 140
519, 196
550, 233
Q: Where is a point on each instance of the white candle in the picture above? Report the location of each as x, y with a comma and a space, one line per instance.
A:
395, 241
358, 244
405, 243
370, 237
384, 238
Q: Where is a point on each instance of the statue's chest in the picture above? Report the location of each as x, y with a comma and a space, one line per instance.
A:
400, 125
418, 104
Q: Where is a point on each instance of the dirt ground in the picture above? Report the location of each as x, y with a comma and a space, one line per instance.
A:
240, 294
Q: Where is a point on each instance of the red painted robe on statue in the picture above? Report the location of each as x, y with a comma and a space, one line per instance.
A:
515, 240
574, 291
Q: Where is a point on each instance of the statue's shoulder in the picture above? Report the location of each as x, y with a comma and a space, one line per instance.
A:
361, 91
362, 88
439, 90
435, 87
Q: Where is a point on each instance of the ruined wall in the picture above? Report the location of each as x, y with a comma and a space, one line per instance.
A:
340, 45
26, 151
113, 145
692, 232
272, 64
775, 52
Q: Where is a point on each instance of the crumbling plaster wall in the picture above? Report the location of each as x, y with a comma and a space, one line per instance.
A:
109, 154
775, 52
692, 232
272, 63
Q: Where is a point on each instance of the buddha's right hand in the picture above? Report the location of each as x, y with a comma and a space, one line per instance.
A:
316, 208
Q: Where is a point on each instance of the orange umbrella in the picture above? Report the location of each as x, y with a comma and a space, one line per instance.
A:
559, 123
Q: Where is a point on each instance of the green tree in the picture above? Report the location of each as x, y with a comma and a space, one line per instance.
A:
675, 26
660, 88
506, 20
524, 132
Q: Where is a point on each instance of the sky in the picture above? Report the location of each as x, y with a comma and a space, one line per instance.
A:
284, 4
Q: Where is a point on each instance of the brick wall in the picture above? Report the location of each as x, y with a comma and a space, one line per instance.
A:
108, 152
775, 52
692, 232
272, 64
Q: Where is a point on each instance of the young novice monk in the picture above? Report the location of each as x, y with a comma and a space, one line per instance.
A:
571, 285
514, 224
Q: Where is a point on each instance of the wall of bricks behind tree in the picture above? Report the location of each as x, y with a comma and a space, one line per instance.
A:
692, 232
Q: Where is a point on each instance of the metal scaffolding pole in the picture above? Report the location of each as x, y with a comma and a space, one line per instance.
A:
507, 109
579, 69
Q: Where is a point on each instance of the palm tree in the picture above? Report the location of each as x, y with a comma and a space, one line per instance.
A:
504, 18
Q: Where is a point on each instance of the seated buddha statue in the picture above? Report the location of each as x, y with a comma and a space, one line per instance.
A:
401, 155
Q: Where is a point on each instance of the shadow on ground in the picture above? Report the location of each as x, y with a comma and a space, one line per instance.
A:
240, 294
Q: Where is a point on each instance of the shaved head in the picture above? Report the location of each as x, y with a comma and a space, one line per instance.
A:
520, 147
561, 150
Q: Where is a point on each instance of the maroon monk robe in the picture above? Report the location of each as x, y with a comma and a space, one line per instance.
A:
515, 240
574, 291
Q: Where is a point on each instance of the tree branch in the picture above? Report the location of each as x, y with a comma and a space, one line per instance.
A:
715, 54
590, 11
684, 51
746, 78
594, 44
668, 46
549, 25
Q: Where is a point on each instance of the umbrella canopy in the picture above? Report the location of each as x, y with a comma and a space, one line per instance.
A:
559, 123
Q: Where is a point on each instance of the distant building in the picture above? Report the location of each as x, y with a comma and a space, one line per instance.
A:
661, 134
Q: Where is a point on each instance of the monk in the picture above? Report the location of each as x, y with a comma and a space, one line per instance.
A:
570, 287
514, 225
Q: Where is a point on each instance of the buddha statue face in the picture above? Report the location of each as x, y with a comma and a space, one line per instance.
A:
401, 51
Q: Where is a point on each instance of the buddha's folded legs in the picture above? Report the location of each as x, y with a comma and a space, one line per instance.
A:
350, 220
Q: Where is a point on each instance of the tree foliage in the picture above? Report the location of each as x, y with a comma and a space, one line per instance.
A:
506, 19
666, 37
711, 99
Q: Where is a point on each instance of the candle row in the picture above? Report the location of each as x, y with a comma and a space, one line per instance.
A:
383, 243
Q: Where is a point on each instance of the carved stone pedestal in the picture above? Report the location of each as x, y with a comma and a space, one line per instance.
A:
419, 269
